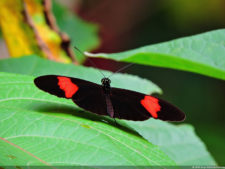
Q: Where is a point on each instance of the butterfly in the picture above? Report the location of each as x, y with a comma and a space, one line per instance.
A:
109, 101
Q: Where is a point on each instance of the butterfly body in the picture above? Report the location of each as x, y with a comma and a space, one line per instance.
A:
106, 100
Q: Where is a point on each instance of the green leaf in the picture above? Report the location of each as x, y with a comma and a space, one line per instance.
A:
203, 54
29, 120
179, 142
37, 66
18, 92
84, 35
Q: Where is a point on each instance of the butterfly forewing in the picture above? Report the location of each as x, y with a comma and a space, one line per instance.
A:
49, 83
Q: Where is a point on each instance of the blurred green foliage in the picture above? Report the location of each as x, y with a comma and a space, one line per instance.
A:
83, 35
189, 15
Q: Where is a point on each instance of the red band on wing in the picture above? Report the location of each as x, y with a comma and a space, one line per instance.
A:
67, 86
151, 104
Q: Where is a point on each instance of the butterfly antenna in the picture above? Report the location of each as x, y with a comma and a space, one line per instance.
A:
130, 64
82, 53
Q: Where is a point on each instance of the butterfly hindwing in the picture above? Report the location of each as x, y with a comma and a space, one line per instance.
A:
125, 105
91, 97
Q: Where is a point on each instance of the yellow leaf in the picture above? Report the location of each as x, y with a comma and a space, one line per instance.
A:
28, 28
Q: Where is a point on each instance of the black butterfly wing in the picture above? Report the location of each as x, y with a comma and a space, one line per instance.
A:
85, 94
126, 104
91, 98
136, 106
